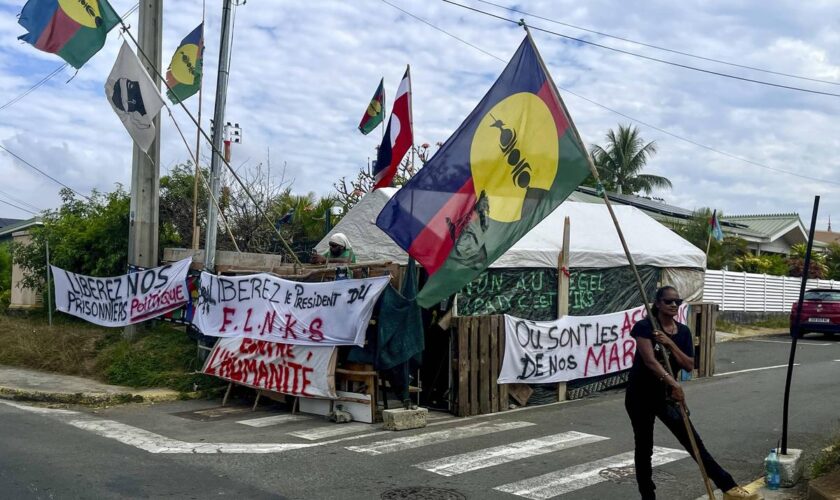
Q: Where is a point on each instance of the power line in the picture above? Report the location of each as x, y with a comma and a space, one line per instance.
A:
657, 47
648, 58
50, 76
48, 176
654, 127
19, 208
22, 202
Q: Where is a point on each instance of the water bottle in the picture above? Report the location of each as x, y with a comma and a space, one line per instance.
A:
771, 470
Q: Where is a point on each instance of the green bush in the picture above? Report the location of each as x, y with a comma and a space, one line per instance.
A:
5, 268
162, 357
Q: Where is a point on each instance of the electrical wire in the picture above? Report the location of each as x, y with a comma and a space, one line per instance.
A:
657, 47
19, 208
50, 76
21, 202
648, 58
641, 122
48, 176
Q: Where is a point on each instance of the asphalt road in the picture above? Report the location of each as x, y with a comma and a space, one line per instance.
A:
575, 450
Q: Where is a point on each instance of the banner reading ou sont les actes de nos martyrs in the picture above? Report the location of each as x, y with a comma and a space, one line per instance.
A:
264, 307
122, 300
569, 348
286, 368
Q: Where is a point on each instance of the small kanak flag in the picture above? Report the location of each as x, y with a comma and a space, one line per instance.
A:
398, 136
714, 227
184, 74
73, 30
134, 97
375, 112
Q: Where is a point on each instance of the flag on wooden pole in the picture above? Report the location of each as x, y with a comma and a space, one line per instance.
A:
399, 136
375, 112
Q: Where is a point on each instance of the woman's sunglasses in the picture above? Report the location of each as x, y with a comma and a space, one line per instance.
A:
672, 302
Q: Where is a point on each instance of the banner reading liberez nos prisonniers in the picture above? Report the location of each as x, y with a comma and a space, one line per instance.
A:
264, 307
569, 348
122, 300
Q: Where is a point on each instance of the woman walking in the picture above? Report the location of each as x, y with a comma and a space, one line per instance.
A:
652, 393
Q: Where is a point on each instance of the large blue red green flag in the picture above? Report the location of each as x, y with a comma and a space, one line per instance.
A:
74, 30
513, 160
184, 74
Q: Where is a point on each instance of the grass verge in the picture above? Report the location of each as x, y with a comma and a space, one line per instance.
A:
163, 356
827, 460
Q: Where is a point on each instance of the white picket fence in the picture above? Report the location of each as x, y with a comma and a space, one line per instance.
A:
735, 291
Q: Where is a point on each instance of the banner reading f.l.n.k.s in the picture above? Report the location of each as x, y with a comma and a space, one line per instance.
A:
265, 307
122, 300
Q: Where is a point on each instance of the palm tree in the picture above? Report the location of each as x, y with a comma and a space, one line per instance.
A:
621, 161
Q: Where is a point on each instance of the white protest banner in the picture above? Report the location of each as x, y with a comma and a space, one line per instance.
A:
285, 368
572, 347
264, 307
122, 300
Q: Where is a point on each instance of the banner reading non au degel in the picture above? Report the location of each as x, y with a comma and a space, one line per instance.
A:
569, 348
264, 307
122, 300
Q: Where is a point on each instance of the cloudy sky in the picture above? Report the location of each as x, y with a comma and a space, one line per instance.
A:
303, 72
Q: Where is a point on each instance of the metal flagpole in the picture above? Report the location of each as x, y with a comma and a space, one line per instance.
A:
196, 234
630, 261
49, 285
805, 271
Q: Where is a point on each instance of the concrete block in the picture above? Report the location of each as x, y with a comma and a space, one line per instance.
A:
401, 419
790, 467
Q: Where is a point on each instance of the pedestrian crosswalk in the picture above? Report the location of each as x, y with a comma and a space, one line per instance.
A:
467, 462
553, 484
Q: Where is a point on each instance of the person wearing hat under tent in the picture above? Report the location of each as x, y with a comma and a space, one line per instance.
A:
340, 251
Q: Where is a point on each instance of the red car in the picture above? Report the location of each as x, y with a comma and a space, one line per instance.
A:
820, 312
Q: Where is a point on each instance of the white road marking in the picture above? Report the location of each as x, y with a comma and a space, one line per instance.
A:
150, 441
418, 440
488, 457
580, 476
331, 431
799, 342
752, 370
273, 420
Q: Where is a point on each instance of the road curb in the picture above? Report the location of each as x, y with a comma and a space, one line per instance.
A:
92, 399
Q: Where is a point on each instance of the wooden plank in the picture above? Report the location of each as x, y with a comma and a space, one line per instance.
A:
462, 329
484, 365
474, 366
503, 388
494, 362
712, 341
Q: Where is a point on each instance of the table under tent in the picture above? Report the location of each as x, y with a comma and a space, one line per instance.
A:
460, 368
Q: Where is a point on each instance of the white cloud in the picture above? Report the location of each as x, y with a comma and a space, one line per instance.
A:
302, 74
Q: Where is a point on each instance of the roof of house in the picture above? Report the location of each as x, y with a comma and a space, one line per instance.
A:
8, 222
769, 225
6, 231
827, 236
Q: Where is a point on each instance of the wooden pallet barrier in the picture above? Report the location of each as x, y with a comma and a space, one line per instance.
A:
480, 344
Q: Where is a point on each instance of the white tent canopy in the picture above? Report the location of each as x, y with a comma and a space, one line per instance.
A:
594, 242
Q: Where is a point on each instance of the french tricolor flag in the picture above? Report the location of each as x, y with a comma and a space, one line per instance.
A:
398, 136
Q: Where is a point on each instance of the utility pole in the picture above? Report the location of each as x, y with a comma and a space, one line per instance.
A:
218, 137
145, 170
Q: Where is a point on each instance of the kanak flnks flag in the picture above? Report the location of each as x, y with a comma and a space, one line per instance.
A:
134, 97
375, 112
398, 136
513, 160
184, 74
74, 30
715, 230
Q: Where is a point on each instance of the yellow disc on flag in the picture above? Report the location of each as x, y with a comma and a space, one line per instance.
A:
515, 148
183, 65
84, 12
374, 108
